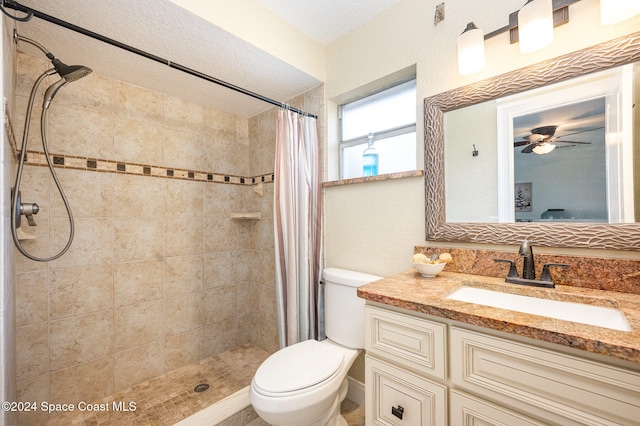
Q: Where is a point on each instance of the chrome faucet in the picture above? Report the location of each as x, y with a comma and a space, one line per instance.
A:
528, 267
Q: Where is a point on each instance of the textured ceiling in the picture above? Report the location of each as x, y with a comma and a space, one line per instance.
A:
172, 33
327, 20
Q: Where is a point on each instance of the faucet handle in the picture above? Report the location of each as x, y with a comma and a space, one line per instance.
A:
513, 272
546, 276
28, 210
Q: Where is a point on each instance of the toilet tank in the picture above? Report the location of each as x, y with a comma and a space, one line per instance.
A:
343, 309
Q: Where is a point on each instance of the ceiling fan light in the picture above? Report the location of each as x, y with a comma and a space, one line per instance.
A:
470, 50
614, 11
535, 25
544, 148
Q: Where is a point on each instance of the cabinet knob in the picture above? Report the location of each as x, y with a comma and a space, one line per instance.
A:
397, 411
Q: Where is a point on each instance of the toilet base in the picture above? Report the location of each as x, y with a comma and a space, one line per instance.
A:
331, 417
334, 418
342, 394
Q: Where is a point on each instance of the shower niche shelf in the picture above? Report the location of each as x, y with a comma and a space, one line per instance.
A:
246, 216
24, 236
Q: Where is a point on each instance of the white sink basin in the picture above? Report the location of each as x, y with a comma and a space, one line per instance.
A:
569, 311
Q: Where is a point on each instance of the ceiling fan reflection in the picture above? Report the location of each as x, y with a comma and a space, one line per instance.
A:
542, 140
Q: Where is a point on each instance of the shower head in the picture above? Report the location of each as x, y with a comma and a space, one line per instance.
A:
70, 73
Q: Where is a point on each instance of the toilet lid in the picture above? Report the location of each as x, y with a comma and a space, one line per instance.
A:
298, 366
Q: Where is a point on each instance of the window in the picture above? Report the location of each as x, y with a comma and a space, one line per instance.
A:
387, 120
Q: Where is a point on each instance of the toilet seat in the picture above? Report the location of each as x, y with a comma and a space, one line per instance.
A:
297, 367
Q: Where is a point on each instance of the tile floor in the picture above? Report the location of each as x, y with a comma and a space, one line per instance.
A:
169, 398
352, 413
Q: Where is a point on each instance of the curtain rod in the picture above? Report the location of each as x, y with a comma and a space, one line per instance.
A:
32, 12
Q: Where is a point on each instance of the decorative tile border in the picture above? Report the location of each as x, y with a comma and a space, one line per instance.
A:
37, 158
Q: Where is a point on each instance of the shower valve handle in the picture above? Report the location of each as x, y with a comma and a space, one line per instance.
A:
29, 209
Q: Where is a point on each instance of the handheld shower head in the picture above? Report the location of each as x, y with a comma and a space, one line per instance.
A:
70, 73
51, 91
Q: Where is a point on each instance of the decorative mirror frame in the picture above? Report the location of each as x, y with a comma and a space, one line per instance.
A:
620, 236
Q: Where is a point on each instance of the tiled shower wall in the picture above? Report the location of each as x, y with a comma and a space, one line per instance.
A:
158, 275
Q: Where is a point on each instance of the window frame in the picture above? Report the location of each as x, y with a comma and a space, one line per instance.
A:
383, 134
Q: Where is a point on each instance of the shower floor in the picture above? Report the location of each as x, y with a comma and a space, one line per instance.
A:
167, 399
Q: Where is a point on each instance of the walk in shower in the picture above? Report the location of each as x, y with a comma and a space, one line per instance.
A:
162, 273
159, 275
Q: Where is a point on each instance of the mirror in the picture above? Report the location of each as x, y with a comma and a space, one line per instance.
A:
490, 193
557, 157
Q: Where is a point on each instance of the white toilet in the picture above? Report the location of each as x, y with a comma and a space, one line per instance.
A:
304, 384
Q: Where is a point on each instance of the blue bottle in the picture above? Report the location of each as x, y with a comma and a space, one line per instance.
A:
370, 159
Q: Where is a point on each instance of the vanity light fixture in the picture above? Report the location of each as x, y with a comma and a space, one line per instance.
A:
532, 26
470, 50
535, 25
614, 11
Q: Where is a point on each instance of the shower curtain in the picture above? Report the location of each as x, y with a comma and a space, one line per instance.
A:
297, 226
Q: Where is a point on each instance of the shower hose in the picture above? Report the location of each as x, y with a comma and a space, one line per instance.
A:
15, 207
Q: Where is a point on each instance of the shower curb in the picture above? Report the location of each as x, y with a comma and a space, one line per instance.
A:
219, 411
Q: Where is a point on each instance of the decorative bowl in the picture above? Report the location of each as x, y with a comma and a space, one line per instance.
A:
429, 270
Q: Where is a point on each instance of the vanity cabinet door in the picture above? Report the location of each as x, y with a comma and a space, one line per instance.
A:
397, 397
412, 342
546, 384
468, 410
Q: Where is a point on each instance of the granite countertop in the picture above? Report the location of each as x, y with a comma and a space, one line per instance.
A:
409, 290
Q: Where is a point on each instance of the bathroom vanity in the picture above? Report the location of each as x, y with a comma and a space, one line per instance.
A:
434, 360
431, 360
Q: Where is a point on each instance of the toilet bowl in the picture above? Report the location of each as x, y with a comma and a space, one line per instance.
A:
305, 383
301, 386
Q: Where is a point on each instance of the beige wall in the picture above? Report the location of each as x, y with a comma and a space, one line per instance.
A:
373, 226
158, 275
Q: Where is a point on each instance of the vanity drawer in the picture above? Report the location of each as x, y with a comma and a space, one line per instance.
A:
415, 343
554, 386
398, 397
467, 410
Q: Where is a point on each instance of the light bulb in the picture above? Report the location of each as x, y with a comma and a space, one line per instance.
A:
544, 148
